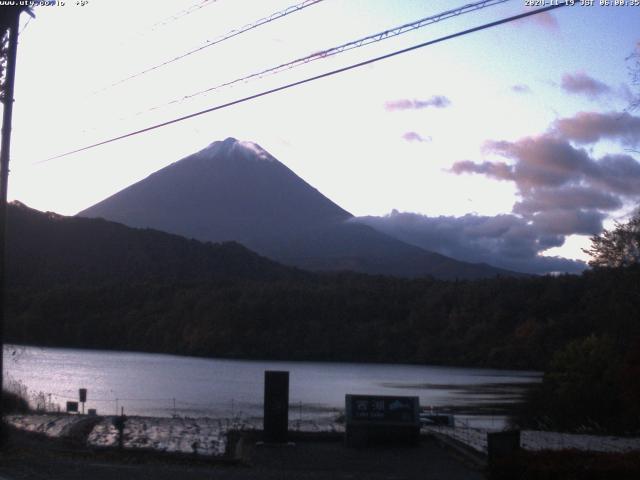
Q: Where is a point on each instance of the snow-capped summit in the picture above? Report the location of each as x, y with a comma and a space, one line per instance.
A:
256, 150
231, 146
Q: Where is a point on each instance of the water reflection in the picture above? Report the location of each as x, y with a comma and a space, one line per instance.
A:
166, 385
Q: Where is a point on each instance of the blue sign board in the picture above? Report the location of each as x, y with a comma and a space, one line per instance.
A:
376, 419
374, 409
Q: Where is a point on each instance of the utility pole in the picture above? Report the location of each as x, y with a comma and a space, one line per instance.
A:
10, 24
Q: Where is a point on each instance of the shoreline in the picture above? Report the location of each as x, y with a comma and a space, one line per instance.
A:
523, 372
203, 436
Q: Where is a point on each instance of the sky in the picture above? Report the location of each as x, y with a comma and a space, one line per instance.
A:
512, 145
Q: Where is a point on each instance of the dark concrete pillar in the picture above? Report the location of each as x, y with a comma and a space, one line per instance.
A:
502, 444
276, 406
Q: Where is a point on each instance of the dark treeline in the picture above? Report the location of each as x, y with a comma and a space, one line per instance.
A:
47, 249
589, 385
91, 283
504, 322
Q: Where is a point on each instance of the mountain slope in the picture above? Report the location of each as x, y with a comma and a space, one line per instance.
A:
45, 249
360, 248
229, 191
237, 191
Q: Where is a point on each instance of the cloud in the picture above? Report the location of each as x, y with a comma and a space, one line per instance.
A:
582, 84
567, 222
539, 161
496, 170
619, 173
590, 127
568, 198
520, 88
546, 20
507, 241
563, 189
437, 101
549, 162
415, 137
543, 19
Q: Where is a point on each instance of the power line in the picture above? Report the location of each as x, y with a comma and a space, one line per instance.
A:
209, 43
374, 38
160, 23
310, 79
183, 13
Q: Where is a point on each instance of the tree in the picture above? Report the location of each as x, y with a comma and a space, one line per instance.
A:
619, 247
581, 383
584, 388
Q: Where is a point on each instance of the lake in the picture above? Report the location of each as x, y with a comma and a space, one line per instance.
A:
167, 385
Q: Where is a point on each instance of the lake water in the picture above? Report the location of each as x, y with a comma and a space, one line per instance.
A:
166, 385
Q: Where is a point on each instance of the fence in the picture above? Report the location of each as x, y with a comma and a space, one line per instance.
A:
302, 416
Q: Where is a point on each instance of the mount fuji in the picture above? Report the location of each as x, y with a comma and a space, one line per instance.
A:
236, 191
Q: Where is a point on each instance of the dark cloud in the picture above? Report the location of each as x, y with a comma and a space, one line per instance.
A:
563, 189
550, 162
541, 161
538, 161
568, 222
568, 198
582, 84
437, 101
506, 241
497, 170
619, 173
590, 127
521, 88
415, 137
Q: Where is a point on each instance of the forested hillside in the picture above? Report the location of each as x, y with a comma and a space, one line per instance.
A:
500, 323
49, 250
96, 284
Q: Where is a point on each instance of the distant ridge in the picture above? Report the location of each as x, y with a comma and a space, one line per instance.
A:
45, 249
236, 191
